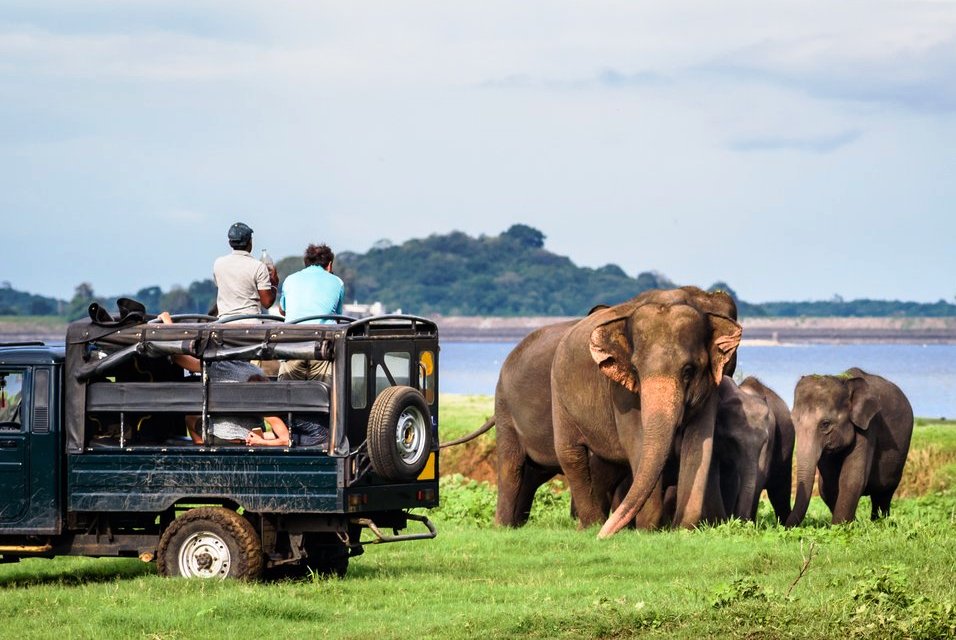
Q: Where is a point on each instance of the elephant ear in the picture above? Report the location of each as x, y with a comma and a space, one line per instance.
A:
611, 351
724, 340
864, 404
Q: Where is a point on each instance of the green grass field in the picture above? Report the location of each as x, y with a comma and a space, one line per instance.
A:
893, 578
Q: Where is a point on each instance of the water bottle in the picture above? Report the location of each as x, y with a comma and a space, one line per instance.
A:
266, 259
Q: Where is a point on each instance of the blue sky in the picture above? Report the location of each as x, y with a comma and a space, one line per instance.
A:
796, 150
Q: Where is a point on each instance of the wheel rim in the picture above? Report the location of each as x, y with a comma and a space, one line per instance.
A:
410, 435
204, 555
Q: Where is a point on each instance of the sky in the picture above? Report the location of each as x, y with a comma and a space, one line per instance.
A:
795, 150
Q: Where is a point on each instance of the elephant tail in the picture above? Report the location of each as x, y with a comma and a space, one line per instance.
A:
489, 423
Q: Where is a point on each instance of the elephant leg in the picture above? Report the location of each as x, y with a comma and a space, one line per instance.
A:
575, 462
670, 503
698, 482
881, 504
829, 485
511, 462
606, 478
533, 476
851, 482
713, 508
778, 490
729, 487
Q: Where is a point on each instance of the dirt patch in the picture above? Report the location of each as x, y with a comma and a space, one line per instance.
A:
476, 460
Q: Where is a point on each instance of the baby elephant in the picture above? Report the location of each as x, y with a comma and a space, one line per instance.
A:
855, 428
753, 441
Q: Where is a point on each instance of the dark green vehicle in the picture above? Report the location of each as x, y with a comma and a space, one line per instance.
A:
95, 459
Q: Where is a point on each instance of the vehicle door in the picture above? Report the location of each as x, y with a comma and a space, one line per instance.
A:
15, 413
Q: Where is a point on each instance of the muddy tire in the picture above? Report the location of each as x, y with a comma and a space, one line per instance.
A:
326, 555
210, 542
399, 433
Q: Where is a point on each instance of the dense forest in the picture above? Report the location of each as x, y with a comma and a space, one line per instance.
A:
510, 274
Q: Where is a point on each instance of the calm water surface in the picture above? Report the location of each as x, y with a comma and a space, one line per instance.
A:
926, 373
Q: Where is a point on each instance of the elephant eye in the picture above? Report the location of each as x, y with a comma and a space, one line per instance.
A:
825, 424
687, 373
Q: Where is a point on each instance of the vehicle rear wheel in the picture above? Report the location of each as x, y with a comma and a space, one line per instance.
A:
210, 542
326, 554
399, 433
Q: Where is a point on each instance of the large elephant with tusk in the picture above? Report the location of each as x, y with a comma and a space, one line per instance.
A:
636, 384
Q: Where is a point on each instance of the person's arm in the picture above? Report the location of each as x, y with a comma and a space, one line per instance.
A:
267, 297
278, 428
189, 363
267, 281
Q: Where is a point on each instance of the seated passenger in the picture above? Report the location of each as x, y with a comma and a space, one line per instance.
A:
310, 430
232, 429
313, 291
276, 436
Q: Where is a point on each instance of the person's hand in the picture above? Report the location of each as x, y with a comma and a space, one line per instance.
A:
165, 317
253, 439
273, 274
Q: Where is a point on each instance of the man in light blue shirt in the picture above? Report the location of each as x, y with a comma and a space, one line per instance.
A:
313, 291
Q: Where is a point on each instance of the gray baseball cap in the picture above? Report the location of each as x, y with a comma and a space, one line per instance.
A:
240, 233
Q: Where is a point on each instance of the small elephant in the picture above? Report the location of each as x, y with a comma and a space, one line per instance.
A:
743, 440
855, 428
780, 471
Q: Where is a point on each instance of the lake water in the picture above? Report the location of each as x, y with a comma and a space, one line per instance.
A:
926, 373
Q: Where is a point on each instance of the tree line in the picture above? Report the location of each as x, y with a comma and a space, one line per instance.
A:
510, 274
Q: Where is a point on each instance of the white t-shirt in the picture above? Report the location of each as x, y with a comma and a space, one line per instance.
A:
239, 277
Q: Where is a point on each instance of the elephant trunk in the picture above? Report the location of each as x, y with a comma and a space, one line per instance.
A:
661, 413
808, 455
744, 509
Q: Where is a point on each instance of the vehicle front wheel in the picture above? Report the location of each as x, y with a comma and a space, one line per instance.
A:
210, 542
399, 433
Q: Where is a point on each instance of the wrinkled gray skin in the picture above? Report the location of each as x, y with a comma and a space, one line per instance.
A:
743, 439
525, 434
780, 469
753, 450
650, 397
525, 439
855, 429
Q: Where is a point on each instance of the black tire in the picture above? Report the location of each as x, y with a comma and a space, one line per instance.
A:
326, 555
399, 433
210, 542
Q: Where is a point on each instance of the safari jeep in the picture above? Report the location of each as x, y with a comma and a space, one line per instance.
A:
95, 459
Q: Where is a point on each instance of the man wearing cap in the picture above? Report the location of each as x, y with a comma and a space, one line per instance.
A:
244, 283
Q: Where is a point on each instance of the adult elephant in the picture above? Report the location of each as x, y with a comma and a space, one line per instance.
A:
525, 433
635, 384
854, 428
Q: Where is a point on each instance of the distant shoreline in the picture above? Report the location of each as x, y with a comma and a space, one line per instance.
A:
757, 331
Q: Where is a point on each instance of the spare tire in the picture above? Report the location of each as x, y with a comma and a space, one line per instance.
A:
399, 433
